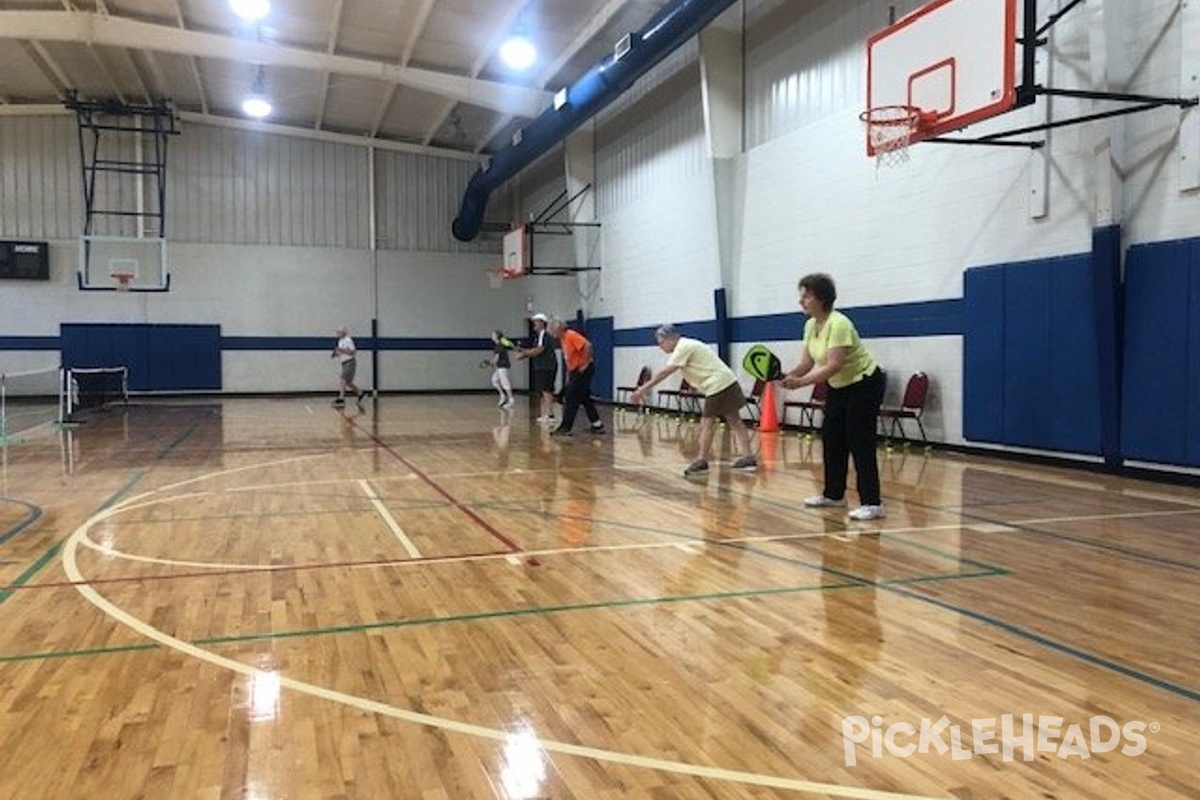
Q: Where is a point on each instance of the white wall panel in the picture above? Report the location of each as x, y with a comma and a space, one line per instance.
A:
1155, 208
806, 60
419, 197
238, 187
41, 185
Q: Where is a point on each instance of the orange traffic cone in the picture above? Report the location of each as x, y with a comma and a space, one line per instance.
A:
767, 445
769, 420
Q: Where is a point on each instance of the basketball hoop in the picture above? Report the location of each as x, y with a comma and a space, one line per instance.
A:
123, 279
496, 277
889, 132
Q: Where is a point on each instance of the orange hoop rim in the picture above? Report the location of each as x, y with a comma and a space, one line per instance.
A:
910, 117
123, 279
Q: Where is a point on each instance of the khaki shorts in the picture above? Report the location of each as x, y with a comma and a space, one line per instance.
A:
726, 403
348, 368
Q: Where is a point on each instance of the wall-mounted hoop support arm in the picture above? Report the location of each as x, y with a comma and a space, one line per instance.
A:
1141, 103
559, 204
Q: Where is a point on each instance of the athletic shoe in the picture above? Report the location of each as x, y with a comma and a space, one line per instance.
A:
338, 403
361, 395
747, 463
507, 403
597, 428
697, 467
560, 432
863, 513
502, 403
821, 501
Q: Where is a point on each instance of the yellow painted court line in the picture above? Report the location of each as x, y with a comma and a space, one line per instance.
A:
389, 520
71, 566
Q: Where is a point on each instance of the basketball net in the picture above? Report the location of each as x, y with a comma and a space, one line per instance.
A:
890, 130
497, 277
124, 280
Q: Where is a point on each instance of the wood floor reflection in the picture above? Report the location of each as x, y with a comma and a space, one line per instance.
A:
432, 598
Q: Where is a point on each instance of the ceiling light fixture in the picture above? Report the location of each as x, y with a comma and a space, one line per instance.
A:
251, 10
518, 52
257, 105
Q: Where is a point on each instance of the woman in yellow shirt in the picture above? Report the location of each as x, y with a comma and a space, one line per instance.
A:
833, 353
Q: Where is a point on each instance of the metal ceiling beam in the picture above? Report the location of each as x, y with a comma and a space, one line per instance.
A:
88, 28
326, 136
335, 27
236, 123
503, 31
418, 28
182, 23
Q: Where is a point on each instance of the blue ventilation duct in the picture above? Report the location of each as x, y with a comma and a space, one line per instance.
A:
670, 29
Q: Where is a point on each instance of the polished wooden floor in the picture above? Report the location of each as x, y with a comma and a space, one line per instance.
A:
433, 599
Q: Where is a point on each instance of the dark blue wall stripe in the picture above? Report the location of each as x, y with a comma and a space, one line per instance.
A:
768, 328
644, 337
28, 343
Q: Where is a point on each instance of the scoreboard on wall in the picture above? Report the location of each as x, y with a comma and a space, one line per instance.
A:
25, 260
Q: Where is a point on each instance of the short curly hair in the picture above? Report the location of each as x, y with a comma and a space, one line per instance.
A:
820, 286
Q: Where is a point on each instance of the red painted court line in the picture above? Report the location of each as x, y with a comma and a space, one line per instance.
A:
512, 546
220, 573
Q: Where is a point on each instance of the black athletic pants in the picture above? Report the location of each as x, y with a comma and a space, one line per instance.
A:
578, 392
848, 429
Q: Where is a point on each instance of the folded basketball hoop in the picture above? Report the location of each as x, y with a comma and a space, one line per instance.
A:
497, 277
889, 132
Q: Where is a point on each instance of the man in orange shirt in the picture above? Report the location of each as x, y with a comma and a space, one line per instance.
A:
577, 351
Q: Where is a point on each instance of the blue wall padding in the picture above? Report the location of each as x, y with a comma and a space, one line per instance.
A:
983, 355
160, 358
1160, 418
1106, 283
599, 331
1030, 355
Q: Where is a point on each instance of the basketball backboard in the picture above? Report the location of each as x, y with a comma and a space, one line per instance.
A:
514, 252
951, 60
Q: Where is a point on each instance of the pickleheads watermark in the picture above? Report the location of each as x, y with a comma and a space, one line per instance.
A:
1010, 736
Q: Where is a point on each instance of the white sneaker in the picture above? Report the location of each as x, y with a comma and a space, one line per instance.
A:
863, 513
821, 501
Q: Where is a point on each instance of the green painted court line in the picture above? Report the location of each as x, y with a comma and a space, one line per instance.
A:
525, 612
166, 451
485, 615
50, 554
95, 651
33, 569
35, 512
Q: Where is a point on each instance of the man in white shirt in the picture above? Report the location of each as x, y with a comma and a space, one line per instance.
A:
347, 354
